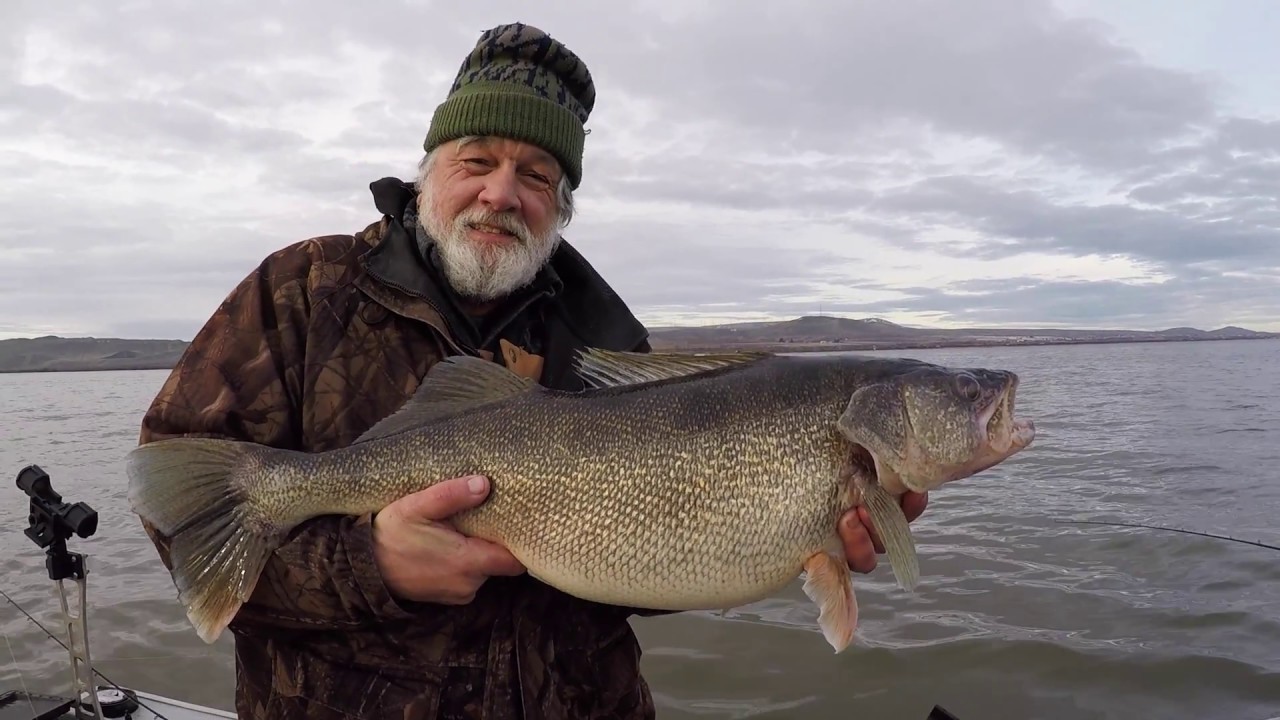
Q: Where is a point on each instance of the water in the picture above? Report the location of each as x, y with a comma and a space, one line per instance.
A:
1016, 615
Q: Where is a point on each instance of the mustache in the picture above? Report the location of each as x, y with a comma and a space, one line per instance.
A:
506, 221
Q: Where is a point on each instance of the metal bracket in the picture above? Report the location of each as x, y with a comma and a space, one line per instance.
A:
52, 523
77, 627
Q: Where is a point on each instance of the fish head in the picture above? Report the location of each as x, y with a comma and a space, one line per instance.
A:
935, 424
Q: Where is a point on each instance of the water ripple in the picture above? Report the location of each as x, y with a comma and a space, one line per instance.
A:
1016, 615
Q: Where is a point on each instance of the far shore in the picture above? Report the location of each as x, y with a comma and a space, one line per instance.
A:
785, 347
866, 346
88, 368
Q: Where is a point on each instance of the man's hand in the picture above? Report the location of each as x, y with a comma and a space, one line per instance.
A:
861, 544
424, 559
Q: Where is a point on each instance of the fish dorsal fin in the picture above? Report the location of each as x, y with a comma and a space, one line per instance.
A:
612, 368
453, 385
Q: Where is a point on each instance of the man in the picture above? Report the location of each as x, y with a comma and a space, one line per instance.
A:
396, 614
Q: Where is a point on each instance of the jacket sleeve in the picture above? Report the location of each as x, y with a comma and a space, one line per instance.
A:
242, 378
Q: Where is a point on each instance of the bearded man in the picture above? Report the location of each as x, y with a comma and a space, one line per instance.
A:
396, 614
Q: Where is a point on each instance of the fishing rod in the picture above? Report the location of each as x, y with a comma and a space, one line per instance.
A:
1170, 529
52, 523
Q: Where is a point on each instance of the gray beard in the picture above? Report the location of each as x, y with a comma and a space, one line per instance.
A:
477, 272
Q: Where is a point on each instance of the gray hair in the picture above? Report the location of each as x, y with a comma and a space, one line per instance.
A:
564, 193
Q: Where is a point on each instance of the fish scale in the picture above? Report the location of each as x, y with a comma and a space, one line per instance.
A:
676, 482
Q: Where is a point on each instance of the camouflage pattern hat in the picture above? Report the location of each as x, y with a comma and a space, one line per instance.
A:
521, 84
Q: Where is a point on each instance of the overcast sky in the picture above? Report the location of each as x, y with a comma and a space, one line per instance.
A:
1099, 163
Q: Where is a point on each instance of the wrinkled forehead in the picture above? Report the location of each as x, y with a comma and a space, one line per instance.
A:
507, 148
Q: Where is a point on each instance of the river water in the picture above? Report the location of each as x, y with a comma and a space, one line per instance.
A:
1016, 616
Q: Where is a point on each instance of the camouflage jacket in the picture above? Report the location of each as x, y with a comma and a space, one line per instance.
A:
322, 340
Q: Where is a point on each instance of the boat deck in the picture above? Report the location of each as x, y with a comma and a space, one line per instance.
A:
17, 705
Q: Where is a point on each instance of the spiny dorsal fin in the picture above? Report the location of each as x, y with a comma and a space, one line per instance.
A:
611, 368
453, 385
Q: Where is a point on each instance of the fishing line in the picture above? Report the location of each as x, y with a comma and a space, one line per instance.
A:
1170, 529
55, 638
21, 678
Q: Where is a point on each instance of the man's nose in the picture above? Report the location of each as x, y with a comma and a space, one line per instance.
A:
500, 190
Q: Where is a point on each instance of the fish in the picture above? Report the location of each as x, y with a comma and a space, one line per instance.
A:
673, 481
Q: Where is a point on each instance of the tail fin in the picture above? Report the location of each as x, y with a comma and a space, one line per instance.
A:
194, 491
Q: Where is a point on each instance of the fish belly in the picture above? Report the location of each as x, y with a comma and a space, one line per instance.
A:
695, 523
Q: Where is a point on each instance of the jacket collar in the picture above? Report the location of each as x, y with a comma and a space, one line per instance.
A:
571, 286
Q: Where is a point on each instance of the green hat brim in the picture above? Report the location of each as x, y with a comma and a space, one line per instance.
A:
508, 110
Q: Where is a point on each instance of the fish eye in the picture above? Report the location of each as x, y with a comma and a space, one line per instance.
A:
968, 387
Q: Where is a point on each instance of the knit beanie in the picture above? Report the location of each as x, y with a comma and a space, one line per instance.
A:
519, 83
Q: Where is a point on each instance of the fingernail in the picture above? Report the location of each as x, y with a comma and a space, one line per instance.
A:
476, 485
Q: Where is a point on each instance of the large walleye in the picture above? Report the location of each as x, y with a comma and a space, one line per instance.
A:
677, 482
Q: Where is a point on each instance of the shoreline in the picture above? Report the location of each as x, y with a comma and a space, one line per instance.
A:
88, 368
867, 345
796, 347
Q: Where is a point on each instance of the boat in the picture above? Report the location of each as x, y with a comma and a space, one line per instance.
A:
53, 522
114, 702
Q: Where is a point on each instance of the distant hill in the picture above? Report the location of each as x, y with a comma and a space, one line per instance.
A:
829, 332
51, 353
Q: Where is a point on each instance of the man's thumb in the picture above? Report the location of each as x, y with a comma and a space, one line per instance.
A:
445, 499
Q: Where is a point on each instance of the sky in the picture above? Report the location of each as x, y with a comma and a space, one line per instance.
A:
1080, 163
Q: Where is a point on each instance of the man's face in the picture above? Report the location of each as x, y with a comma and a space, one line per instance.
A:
491, 207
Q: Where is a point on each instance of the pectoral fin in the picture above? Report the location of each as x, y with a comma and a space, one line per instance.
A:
891, 525
829, 584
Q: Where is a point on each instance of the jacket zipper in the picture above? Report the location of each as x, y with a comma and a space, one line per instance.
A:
450, 333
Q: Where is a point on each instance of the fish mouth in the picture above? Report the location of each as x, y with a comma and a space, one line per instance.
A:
1002, 432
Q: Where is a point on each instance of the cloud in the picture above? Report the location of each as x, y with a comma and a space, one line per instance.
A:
1083, 304
1019, 220
1000, 161
814, 74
